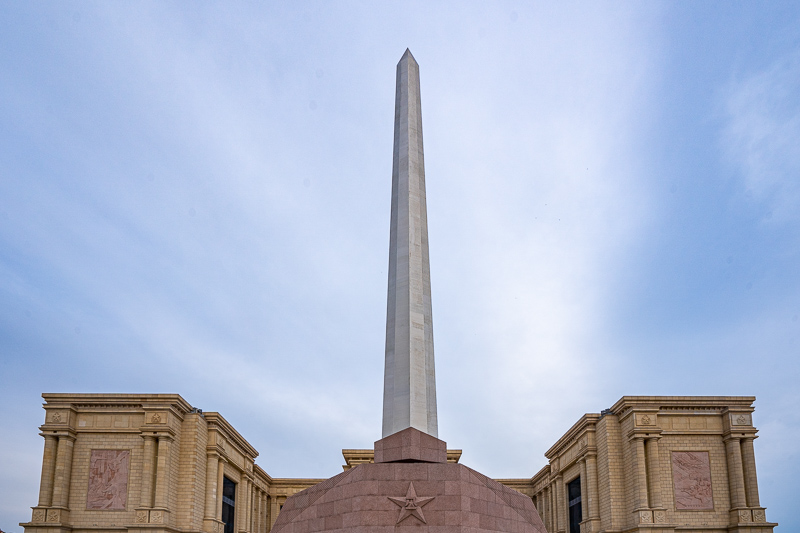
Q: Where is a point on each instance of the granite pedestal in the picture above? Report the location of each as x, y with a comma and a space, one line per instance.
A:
406, 494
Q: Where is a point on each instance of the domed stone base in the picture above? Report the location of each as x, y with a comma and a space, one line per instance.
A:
420, 496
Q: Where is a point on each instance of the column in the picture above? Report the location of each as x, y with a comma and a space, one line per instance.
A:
63, 470
162, 472
265, 512
735, 473
584, 491
545, 515
641, 473
273, 510
241, 503
552, 504
652, 472
256, 508
212, 463
220, 485
265, 507
260, 516
254, 519
249, 509
148, 469
561, 508
48, 470
749, 467
593, 489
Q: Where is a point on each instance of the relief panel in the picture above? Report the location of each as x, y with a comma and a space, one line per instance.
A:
57, 417
646, 419
740, 419
691, 476
108, 480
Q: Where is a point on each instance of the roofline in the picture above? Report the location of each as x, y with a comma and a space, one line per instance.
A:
130, 400
228, 430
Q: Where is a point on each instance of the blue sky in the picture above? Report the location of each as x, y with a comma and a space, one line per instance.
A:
195, 199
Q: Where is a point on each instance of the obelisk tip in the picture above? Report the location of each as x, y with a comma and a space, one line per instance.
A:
408, 55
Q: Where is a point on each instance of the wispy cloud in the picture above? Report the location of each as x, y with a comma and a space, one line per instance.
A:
762, 135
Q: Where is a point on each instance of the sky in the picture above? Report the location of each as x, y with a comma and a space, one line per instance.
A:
194, 199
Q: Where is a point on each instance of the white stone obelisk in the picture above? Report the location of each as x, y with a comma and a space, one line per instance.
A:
409, 386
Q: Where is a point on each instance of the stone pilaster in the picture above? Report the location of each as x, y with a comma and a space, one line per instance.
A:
242, 508
584, 491
561, 504
265, 498
653, 476
591, 482
148, 471
249, 506
220, 485
160, 512
273, 509
735, 472
256, 510
63, 470
211, 523
640, 474
592, 493
749, 467
547, 508
48, 470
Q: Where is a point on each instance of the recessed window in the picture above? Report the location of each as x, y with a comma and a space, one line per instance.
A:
228, 504
574, 499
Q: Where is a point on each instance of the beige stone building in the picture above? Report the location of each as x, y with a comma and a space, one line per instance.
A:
151, 462
655, 463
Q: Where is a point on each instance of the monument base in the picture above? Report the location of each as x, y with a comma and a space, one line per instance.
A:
405, 493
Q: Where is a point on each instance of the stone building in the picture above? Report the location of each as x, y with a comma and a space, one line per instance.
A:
662, 463
136, 462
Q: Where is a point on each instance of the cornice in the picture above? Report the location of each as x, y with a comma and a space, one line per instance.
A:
585, 423
84, 401
682, 403
217, 421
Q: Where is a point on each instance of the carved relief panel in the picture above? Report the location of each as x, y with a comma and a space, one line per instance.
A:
108, 480
741, 419
691, 476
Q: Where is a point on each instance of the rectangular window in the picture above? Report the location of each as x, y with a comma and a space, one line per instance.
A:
228, 504
574, 499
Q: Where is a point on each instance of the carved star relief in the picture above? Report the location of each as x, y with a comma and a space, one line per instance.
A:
411, 505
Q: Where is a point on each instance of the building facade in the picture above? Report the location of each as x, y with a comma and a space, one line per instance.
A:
152, 462
654, 463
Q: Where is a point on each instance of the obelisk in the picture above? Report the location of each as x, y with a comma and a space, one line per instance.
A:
411, 483
409, 386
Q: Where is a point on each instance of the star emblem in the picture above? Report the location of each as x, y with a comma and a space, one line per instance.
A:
411, 505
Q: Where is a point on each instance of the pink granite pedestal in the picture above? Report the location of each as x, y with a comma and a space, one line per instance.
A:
407, 494
410, 445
